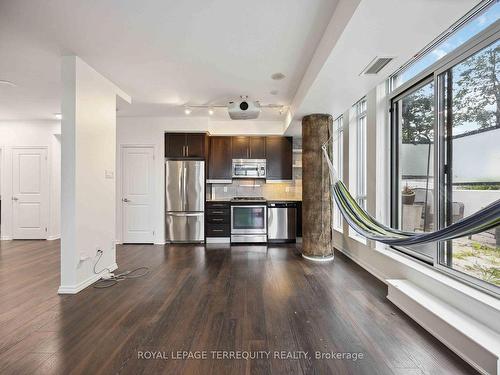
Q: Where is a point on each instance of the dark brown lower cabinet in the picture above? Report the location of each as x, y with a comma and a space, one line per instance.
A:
218, 219
299, 219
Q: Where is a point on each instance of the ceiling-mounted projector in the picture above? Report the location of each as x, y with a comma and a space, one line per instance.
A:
243, 109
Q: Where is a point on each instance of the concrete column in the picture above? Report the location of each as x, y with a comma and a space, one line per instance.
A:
316, 203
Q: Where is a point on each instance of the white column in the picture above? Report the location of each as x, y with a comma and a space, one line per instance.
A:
88, 159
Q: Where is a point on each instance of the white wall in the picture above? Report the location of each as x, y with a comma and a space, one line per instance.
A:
30, 133
151, 131
88, 166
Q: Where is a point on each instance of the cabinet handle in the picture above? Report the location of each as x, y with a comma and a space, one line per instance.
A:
218, 219
187, 150
217, 230
217, 212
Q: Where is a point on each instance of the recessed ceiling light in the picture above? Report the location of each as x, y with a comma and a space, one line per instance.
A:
58, 116
187, 110
210, 111
274, 92
7, 83
278, 76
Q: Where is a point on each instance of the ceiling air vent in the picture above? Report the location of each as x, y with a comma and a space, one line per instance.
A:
376, 65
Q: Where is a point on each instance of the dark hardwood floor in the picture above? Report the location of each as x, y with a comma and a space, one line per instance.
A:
197, 299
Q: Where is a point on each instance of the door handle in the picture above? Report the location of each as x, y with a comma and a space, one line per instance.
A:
125, 200
15, 198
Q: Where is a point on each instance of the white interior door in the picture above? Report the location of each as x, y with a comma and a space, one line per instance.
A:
137, 194
29, 193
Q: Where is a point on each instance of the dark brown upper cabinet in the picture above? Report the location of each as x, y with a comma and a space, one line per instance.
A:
249, 147
257, 147
196, 145
240, 147
219, 161
185, 145
279, 157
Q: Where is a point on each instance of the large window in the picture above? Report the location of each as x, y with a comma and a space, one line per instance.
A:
470, 120
361, 152
413, 191
338, 160
357, 158
446, 158
484, 15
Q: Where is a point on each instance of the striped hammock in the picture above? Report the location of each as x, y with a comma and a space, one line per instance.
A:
364, 224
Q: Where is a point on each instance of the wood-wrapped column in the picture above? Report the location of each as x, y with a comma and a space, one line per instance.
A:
316, 203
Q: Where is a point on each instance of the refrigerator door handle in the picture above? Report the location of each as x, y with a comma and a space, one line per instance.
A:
181, 214
182, 187
185, 196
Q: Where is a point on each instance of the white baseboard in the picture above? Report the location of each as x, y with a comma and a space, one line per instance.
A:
160, 243
73, 289
6, 238
364, 265
470, 340
52, 238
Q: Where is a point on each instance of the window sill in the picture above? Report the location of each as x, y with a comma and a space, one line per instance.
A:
443, 279
355, 236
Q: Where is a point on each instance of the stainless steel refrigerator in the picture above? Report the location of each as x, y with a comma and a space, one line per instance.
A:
185, 200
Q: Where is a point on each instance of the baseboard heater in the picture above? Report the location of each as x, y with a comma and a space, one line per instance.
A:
474, 342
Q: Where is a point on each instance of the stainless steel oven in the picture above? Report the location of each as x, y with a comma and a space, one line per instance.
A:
249, 168
249, 222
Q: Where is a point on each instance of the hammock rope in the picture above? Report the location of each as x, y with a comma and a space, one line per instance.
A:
367, 226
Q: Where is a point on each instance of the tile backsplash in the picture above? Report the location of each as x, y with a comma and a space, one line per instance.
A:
256, 188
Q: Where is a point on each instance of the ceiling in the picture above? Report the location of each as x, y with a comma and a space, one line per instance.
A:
395, 28
164, 53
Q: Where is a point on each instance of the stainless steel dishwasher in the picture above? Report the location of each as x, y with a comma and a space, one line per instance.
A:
281, 221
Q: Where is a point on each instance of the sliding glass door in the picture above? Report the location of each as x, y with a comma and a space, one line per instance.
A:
445, 133
413, 153
470, 126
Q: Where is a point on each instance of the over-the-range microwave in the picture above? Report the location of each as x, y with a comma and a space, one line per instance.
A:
249, 168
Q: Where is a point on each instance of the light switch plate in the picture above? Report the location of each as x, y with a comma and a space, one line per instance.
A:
109, 174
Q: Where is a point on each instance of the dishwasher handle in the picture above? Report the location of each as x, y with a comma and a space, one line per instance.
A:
282, 205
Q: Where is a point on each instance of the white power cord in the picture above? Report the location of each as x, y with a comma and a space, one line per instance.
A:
109, 279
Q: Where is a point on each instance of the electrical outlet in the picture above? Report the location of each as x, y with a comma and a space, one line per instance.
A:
225, 189
287, 189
